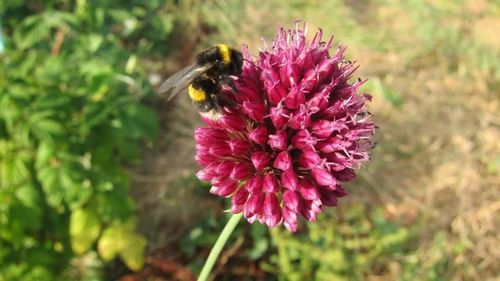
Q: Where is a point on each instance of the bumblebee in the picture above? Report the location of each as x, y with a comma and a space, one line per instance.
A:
204, 79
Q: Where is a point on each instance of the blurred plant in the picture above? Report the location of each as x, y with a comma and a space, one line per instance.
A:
70, 93
207, 229
1, 39
360, 242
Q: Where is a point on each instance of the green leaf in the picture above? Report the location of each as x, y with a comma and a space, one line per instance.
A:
121, 239
133, 253
31, 212
44, 153
49, 178
13, 171
85, 227
48, 126
111, 242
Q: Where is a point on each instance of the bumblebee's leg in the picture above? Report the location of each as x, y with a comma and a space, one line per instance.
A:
225, 80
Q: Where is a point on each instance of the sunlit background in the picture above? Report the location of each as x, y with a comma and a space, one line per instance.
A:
97, 173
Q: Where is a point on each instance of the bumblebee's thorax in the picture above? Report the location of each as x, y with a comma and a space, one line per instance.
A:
225, 60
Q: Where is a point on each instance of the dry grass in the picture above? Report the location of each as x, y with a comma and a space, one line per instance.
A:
439, 151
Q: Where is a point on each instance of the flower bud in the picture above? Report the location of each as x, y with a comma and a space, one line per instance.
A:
328, 197
289, 180
271, 210
283, 161
310, 209
248, 93
225, 188
300, 119
270, 183
289, 74
220, 149
260, 160
275, 91
323, 177
238, 147
337, 161
205, 158
253, 205
205, 174
340, 191
307, 190
240, 197
279, 116
319, 101
322, 128
206, 136
290, 219
259, 135
240, 171
291, 200
333, 144
309, 159
303, 139
278, 141
345, 175
254, 184
255, 110
233, 122
225, 168
295, 98
271, 204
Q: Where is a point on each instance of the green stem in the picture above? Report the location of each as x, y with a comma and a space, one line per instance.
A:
217, 248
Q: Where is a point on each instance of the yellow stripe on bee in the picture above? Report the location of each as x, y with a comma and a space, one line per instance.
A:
196, 95
225, 52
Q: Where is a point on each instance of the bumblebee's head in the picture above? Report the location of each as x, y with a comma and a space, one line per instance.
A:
237, 60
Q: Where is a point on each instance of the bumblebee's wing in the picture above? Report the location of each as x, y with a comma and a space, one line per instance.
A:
180, 80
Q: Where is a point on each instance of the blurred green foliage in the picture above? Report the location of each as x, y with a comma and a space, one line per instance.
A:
359, 242
72, 116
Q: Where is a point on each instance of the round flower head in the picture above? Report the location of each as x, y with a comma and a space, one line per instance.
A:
296, 130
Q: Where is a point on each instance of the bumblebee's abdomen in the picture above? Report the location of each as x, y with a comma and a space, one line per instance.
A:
203, 92
197, 95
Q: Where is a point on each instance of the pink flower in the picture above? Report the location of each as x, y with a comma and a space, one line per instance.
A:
298, 129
